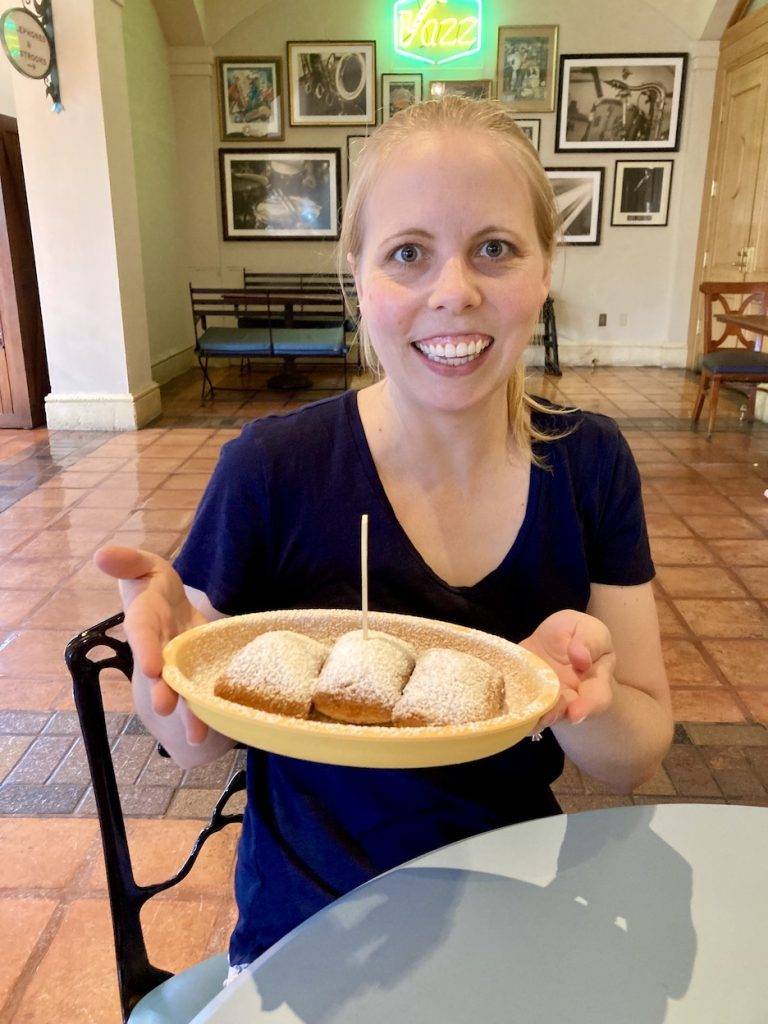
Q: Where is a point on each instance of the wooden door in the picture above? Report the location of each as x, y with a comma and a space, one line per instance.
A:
23, 367
736, 171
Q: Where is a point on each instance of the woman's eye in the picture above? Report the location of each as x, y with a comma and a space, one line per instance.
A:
406, 254
495, 248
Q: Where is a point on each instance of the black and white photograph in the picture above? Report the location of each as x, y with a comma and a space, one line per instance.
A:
578, 194
620, 102
355, 146
251, 98
531, 127
332, 83
526, 65
641, 193
399, 92
285, 193
472, 89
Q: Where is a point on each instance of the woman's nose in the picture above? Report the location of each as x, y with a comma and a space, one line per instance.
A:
455, 288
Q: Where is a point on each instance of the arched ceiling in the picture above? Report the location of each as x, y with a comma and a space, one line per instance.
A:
204, 22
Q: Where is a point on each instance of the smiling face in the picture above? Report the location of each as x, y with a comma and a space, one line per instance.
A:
451, 273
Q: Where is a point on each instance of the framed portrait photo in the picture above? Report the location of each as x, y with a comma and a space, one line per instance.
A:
355, 146
531, 127
641, 193
332, 83
280, 193
472, 89
614, 101
399, 92
251, 98
578, 194
526, 66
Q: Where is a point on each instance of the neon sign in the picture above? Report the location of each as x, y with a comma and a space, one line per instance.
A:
437, 31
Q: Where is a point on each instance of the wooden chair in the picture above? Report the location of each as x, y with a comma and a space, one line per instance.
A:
743, 363
148, 995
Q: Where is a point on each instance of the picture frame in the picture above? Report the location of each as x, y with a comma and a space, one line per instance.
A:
472, 89
641, 191
531, 126
280, 193
620, 102
398, 92
579, 196
526, 66
251, 98
332, 83
355, 144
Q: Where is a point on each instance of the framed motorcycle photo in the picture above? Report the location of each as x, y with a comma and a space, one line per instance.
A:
280, 193
620, 102
332, 83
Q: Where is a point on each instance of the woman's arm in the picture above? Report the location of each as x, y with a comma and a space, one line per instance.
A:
615, 718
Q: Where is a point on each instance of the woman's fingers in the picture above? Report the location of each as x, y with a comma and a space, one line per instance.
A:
594, 695
195, 729
164, 699
123, 563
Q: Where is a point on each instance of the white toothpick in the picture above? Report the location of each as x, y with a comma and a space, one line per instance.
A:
364, 568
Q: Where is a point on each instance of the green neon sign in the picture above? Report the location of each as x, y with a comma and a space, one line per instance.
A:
437, 31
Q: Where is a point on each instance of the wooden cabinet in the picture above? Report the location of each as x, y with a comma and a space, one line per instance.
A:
733, 237
23, 368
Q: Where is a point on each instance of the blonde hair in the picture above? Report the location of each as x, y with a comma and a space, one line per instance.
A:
451, 113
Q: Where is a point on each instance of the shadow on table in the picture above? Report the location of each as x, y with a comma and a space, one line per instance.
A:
609, 939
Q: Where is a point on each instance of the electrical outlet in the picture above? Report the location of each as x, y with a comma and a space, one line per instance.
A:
623, 318
602, 319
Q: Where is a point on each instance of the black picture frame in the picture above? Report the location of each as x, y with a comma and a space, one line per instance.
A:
597, 175
320, 81
531, 127
658, 190
248, 127
271, 200
620, 116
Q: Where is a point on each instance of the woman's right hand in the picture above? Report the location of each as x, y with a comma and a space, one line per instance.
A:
156, 610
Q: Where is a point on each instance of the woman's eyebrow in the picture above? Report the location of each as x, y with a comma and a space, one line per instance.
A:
411, 232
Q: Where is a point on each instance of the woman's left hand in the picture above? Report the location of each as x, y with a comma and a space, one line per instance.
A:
580, 650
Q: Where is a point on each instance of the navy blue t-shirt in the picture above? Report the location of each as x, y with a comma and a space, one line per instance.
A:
278, 527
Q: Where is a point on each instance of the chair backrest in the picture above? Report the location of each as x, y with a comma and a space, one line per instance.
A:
305, 281
739, 297
136, 975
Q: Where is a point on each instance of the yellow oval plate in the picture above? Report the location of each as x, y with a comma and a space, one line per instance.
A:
195, 659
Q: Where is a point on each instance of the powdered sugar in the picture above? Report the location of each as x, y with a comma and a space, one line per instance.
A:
449, 687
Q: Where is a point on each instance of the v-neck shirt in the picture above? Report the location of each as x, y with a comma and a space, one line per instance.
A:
278, 527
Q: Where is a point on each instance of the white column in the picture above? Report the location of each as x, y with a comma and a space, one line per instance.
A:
688, 184
197, 131
81, 190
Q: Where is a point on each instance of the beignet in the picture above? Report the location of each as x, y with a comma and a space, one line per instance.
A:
276, 672
449, 687
362, 680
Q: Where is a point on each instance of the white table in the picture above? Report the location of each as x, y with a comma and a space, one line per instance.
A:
633, 915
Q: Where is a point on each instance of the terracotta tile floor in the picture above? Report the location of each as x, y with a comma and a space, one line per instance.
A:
62, 494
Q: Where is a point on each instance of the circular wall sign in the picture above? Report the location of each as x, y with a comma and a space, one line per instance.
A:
25, 42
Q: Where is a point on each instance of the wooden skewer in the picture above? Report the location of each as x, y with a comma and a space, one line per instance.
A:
364, 568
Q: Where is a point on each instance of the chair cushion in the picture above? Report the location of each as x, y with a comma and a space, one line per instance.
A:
736, 360
233, 341
309, 341
182, 997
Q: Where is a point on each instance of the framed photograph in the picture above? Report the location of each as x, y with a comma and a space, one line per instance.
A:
355, 146
579, 194
641, 193
280, 193
530, 126
251, 98
399, 92
332, 83
617, 102
476, 89
526, 65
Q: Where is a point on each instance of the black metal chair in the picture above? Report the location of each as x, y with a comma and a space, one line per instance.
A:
546, 335
148, 995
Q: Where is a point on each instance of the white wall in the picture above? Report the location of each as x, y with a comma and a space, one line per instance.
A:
641, 274
7, 102
154, 147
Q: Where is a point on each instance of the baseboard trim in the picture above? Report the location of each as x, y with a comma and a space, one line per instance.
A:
96, 411
174, 365
584, 353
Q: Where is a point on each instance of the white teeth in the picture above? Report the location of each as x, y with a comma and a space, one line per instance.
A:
453, 355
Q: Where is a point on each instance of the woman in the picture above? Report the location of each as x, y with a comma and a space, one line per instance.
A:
487, 508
